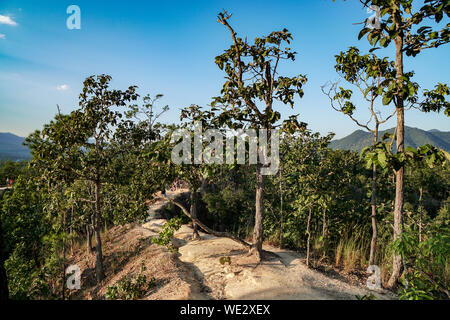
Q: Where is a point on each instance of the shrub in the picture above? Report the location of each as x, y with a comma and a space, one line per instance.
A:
426, 263
166, 234
130, 289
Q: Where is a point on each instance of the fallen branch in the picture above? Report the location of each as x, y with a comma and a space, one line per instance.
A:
203, 226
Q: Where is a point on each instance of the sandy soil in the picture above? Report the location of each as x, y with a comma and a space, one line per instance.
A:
281, 276
125, 250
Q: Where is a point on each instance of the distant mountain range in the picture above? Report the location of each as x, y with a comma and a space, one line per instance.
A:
11, 147
414, 137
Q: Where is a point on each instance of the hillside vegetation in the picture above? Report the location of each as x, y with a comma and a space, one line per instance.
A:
414, 138
288, 207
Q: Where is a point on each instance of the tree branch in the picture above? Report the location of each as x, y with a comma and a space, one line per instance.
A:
203, 226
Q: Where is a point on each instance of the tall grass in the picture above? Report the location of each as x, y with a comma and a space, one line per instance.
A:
350, 254
338, 253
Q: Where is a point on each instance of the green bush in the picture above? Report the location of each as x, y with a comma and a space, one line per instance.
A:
130, 289
166, 234
426, 263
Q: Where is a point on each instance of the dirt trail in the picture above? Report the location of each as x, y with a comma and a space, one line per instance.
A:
282, 275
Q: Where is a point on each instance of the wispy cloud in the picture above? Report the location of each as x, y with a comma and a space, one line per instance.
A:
62, 87
2, 36
7, 20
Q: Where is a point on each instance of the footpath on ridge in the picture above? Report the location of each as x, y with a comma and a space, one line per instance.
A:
224, 270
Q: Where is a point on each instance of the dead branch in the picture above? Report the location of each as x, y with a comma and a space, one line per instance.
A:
203, 226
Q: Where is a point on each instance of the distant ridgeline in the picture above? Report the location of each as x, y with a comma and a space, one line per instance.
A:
11, 147
413, 137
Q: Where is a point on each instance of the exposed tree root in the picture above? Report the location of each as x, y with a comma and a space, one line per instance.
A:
203, 226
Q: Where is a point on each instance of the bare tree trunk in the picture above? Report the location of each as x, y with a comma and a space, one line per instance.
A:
88, 238
193, 212
98, 245
373, 242
203, 186
281, 210
399, 174
70, 226
324, 223
259, 215
308, 232
63, 291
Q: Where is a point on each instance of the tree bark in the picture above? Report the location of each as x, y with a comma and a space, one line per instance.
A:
324, 223
63, 289
4, 293
373, 242
88, 238
97, 228
281, 209
259, 215
308, 232
193, 212
70, 225
399, 174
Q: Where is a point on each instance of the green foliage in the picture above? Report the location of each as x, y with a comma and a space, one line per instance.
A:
166, 234
382, 156
128, 288
26, 280
400, 20
10, 169
232, 205
435, 99
29, 240
252, 77
53, 199
426, 263
401, 17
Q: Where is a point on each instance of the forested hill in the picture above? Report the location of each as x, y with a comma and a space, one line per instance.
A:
414, 137
11, 147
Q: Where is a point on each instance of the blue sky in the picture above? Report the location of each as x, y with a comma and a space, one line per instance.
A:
169, 47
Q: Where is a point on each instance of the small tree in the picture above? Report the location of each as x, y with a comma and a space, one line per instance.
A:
194, 174
141, 165
77, 146
308, 174
252, 79
367, 74
403, 25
